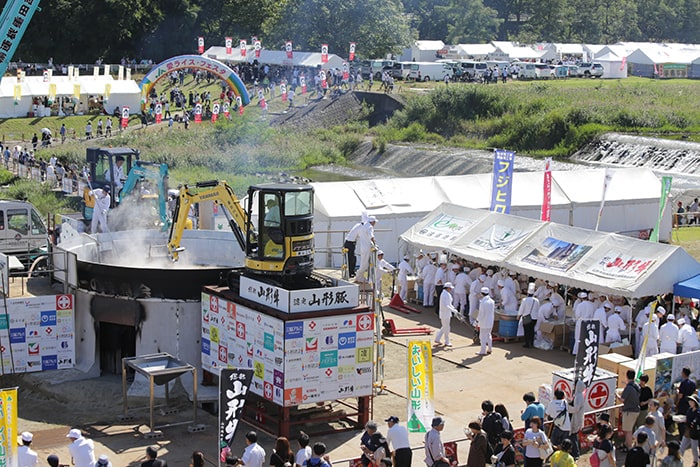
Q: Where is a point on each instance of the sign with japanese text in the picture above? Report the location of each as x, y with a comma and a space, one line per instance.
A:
37, 333
293, 361
8, 427
546, 214
243, 47
288, 48
298, 301
200, 44
324, 53
616, 265
420, 386
502, 182
587, 360
445, 227
558, 255
257, 45
599, 395
233, 391
228, 42
16, 16
352, 51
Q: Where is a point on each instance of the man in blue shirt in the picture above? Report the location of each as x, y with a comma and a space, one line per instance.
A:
534, 408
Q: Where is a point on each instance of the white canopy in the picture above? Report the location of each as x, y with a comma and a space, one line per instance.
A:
632, 203
274, 57
571, 256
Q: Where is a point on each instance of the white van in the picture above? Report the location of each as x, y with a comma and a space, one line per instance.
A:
526, 70
473, 68
430, 71
22, 229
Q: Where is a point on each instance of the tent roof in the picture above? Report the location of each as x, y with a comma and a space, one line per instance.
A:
570, 256
36, 86
476, 49
569, 49
658, 54
689, 288
429, 45
273, 57
608, 56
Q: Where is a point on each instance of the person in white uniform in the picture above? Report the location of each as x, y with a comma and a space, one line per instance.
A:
99, 212
446, 311
365, 240
651, 329
452, 271
615, 327
82, 450
687, 337
485, 319
428, 274
26, 456
509, 303
529, 306
558, 304
405, 270
383, 267
601, 315
668, 335
475, 296
460, 293
582, 311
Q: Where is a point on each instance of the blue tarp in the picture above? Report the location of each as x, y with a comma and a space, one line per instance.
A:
689, 288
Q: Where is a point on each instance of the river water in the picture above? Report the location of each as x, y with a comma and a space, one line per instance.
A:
678, 159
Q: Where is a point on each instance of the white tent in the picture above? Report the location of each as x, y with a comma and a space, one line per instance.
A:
476, 51
122, 93
426, 51
570, 256
274, 57
613, 66
632, 203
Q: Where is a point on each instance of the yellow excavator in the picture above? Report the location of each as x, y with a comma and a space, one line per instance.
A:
275, 231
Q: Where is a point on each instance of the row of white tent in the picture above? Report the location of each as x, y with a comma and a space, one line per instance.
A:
631, 204
274, 57
125, 92
571, 256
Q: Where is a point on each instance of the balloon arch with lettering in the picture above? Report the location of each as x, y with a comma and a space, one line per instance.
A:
180, 62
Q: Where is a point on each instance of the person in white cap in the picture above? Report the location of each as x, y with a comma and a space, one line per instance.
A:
440, 279
383, 267
350, 244
527, 314
583, 310
509, 303
452, 270
365, 242
82, 450
485, 319
615, 327
601, 315
428, 275
405, 270
668, 335
475, 296
103, 461
650, 333
446, 311
687, 336
461, 284
26, 457
642, 317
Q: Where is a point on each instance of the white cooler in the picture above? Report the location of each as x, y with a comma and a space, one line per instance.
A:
599, 395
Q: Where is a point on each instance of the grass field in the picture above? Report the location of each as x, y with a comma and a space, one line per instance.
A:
689, 239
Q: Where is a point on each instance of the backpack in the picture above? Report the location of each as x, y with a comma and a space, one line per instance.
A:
694, 426
493, 426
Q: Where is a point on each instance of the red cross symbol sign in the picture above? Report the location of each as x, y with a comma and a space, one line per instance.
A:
365, 322
598, 395
563, 385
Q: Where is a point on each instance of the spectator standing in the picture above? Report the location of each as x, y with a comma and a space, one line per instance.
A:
152, 458
282, 454
434, 449
479, 448
254, 454
533, 409
82, 450
630, 407
304, 452
397, 437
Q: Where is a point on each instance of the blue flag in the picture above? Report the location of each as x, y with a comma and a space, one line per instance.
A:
502, 183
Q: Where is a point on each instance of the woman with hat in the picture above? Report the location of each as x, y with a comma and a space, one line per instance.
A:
691, 435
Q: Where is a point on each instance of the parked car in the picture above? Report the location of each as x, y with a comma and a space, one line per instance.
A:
590, 70
526, 70
543, 70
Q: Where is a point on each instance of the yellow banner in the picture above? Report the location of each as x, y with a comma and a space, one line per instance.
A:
52, 91
18, 92
108, 90
420, 389
8, 427
76, 91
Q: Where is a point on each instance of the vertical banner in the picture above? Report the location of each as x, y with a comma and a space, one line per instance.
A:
606, 183
302, 83
352, 51
200, 44
226, 109
258, 47
239, 103
420, 386
324, 82
502, 182
288, 48
52, 92
216, 108
8, 422
4, 274
233, 390
76, 92
283, 91
18, 92
643, 351
108, 91
261, 99
665, 191
159, 112
120, 73
198, 112
125, 116
587, 361
46, 76
546, 214
229, 45
346, 73
243, 47
324, 53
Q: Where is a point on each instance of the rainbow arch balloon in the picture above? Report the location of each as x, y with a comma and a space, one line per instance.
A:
180, 62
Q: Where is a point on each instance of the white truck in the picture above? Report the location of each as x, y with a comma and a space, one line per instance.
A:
22, 230
430, 71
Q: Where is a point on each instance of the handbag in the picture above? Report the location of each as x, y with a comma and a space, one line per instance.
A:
527, 319
594, 459
546, 450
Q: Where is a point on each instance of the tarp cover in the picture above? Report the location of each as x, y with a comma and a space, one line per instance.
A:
689, 288
571, 256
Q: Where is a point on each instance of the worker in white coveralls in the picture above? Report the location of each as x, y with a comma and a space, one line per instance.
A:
445, 313
462, 284
485, 318
99, 211
365, 242
615, 327
383, 267
405, 270
668, 335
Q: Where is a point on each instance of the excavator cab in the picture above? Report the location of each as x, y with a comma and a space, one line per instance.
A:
281, 238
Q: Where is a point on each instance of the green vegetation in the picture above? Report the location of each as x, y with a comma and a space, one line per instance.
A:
554, 118
40, 195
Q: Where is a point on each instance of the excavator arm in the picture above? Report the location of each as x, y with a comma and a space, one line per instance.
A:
221, 194
143, 171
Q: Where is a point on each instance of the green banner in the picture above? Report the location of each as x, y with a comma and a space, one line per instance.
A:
665, 191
